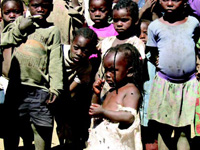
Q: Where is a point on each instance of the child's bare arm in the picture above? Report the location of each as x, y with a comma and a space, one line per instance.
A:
154, 58
131, 99
97, 110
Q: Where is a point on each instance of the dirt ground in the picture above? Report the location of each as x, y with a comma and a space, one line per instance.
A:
54, 144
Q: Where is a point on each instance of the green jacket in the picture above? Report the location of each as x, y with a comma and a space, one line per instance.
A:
38, 58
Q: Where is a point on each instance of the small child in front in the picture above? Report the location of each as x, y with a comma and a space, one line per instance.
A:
116, 124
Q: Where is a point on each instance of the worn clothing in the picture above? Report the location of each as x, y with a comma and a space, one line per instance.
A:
67, 19
33, 104
174, 90
150, 72
135, 41
197, 113
38, 59
194, 4
177, 58
105, 32
108, 136
173, 103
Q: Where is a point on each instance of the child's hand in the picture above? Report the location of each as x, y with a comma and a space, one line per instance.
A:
149, 3
96, 110
25, 24
51, 98
98, 85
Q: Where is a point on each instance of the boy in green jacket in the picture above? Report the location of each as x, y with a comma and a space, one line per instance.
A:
36, 77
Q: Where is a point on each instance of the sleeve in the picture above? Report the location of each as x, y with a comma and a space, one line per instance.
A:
77, 15
56, 62
11, 35
151, 42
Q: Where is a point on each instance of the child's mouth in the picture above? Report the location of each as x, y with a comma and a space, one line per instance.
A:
97, 20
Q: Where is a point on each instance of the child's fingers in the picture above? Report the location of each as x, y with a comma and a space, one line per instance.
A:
94, 105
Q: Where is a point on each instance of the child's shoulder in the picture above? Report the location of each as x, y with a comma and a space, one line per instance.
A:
155, 23
130, 88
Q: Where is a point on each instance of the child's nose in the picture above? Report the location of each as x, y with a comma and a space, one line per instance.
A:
97, 13
40, 9
12, 15
78, 52
107, 74
169, 2
119, 23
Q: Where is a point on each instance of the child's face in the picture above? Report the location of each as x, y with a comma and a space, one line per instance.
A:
120, 68
122, 20
171, 5
99, 12
10, 11
80, 49
143, 35
40, 7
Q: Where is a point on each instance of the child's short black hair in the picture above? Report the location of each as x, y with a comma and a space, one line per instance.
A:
20, 2
130, 6
108, 3
51, 1
88, 34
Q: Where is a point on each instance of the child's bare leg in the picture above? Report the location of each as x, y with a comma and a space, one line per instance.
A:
42, 137
183, 143
161, 144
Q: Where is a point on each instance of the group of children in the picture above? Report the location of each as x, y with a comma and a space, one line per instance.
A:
125, 81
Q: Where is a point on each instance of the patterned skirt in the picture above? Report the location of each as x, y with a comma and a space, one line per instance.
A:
173, 103
197, 114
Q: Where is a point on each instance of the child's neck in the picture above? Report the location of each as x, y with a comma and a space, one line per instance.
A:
174, 18
122, 38
103, 25
42, 23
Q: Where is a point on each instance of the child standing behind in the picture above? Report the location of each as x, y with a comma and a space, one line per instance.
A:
36, 77
116, 123
125, 16
149, 136
100, 10
174, 89
11, 10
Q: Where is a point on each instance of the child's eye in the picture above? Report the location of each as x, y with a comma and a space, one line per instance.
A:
92, 10
6, 13
85, 51
124, 19
16, 12
103, 10
115, 20
76, 47
35, 5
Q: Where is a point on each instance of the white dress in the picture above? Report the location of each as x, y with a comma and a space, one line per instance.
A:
107, 135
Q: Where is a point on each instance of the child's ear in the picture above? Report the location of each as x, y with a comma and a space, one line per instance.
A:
130, 72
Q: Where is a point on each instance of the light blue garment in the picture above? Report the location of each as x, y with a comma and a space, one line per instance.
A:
176, 47
141, 3
2, 96
147, 88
